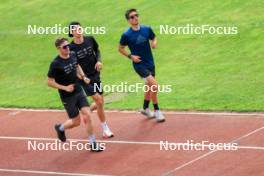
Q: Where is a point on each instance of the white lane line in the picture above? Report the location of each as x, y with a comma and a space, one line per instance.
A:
45, 172
248, 134
251, 147
210, 152
126, 142
188, 163
13, 113
136, 112
80, 140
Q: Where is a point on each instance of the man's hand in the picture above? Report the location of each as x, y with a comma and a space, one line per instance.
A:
135, 58
69, 88
86, 80
98, 66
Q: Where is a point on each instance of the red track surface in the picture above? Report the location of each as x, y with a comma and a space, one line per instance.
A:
135, 158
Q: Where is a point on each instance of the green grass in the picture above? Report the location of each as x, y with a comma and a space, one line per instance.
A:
207, 72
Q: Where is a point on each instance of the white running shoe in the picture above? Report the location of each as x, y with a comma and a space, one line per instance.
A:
159, 116
147, 112
107, 134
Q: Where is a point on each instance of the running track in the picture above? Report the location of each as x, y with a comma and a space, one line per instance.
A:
135, 149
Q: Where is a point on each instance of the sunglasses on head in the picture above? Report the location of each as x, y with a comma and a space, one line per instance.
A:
65, 46
133, 16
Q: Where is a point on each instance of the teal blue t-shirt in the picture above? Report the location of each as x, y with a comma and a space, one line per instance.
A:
138, 44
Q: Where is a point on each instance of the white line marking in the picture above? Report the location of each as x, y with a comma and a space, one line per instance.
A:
119, 142
13, 113
188, 163
136, 112
81, 140
251, 147
45, 172
248, 134
209, 153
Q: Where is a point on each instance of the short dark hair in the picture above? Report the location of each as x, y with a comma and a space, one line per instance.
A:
128, 12
73, 23
59, 41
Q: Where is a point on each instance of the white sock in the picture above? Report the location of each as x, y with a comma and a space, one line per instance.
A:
61, 128
91, 139
104, 126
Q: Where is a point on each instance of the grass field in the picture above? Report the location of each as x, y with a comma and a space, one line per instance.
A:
207, 72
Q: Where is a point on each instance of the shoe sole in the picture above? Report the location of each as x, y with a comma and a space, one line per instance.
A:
160, 121
96, 151
107, 137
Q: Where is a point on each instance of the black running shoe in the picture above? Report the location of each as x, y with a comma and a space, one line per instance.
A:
97, 147
60, 134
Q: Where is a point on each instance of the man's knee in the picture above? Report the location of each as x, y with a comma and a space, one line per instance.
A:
152, 84
99, 100
86, 114
86, 111
154, 88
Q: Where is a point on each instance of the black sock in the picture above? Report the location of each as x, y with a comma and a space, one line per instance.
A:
146, 104
156, 106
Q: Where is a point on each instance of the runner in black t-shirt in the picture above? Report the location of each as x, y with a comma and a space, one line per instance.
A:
88, 57
62, 75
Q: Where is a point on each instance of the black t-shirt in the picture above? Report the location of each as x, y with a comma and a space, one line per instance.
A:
64, 71
86, 53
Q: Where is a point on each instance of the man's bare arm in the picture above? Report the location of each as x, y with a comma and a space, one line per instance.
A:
153, 43
81, 75
134, 58
122, 50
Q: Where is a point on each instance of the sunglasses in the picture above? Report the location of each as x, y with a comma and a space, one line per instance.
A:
65, 46
133, 16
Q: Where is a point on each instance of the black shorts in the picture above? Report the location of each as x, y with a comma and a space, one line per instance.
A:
92, 88
144, 72
73, 104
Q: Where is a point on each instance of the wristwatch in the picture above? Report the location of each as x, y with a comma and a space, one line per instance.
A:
85, 78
